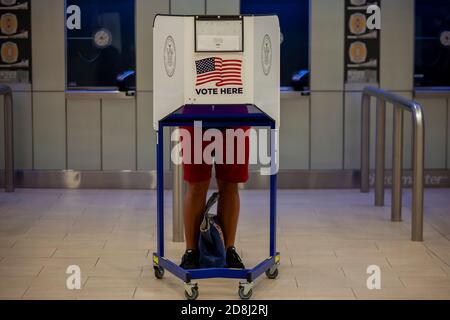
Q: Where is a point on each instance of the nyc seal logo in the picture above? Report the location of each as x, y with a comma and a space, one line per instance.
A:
170, 56
266, 55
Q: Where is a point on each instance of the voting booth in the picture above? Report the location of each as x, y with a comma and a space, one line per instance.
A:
224, 72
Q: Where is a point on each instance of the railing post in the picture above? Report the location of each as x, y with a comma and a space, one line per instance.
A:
418, 167
365, 143
399, 103
9, 140
177, 200
380, 152
397, 159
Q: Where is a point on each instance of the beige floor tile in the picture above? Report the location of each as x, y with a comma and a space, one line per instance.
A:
7, 242
357, 261
121, 267
12, 292
59, 244
403, 293
325, 281
89, 252
446, 269
327, 239
39, 292
129, 244
109, 294
126, 281
56, 262
59, 273
160, 294
45, 233
11, 281
125, 253
434, 282
55, 281
20, 271
418, 261
350, 244
311, 254
420, 270
308, 294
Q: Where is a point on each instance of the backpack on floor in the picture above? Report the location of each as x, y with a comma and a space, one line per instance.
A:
211, 243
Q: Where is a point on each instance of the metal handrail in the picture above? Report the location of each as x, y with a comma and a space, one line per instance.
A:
6, 92
399, 104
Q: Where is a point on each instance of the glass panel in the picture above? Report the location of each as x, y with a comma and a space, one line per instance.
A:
101, 44
432, 50
294, 24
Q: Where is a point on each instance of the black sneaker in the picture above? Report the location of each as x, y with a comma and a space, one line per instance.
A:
190, 259
233, 259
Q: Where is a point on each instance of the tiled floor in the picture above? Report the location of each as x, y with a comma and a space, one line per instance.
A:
327, 239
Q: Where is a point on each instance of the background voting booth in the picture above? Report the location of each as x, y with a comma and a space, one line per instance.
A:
190, 56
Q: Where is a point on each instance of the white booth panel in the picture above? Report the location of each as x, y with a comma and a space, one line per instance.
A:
23, 133
48, 49
145, 12
49, 130
83, 135
327, 130
119, 134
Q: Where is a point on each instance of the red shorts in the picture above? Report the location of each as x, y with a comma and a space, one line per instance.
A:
235, 172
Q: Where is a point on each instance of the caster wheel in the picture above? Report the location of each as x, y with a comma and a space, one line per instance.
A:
159, 272
193, 295
272, 274
244, 296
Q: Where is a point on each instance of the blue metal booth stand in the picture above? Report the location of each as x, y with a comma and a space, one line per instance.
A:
214, 116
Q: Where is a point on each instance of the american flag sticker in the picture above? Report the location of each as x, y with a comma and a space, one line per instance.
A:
221, 72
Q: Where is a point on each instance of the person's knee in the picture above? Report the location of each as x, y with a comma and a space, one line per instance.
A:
198, 189
227, 187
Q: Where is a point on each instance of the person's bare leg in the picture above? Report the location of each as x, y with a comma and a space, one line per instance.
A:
228, 210
194, 204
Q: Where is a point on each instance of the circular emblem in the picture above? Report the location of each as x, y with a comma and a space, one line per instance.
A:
8, 23
358, 52
445, 38
357, 23
170, 56
358, 2
102, 38
266, 54
9, 52
8, 2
